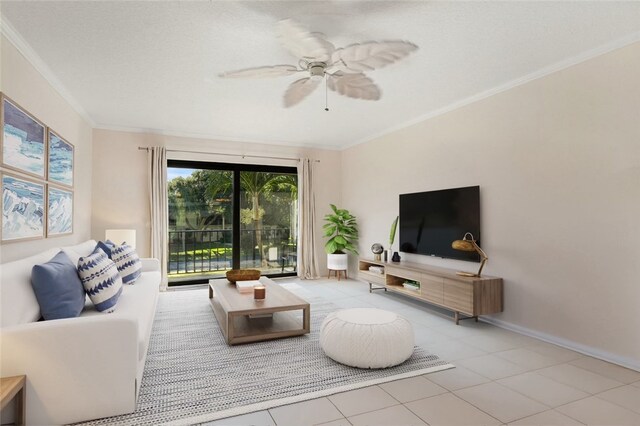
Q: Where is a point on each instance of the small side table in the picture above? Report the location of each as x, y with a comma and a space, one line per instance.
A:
10, 388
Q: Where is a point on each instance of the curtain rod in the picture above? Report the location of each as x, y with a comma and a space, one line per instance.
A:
144, 148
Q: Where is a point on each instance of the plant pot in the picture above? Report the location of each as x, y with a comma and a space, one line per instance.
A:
337, 262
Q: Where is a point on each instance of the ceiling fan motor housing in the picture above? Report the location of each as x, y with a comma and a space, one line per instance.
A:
316, 70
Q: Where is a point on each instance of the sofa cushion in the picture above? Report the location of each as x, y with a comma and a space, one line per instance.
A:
58, 289
101, 280
82, 249
128, 263
18, 303
138, 303
79, 250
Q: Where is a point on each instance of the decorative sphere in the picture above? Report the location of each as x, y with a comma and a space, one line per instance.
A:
377, 248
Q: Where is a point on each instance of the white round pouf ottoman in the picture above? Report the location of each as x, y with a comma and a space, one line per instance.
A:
366, 338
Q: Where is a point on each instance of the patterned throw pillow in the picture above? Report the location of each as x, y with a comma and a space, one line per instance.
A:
100, 279
128, 263
105, 246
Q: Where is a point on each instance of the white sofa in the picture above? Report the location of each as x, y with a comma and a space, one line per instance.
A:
79, 368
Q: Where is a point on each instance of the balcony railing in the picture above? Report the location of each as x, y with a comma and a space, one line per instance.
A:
200, 252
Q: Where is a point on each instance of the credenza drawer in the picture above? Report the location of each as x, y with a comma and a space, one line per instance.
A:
432, 288
458, 295
371, 277
403, 273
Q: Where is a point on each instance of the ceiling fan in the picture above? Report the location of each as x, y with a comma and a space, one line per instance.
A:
343, 68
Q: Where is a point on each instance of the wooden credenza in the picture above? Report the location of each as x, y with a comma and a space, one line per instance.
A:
471, 296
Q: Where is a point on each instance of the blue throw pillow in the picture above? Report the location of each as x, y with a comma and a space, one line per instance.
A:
128, 263
58, 289
101, 281
105, 246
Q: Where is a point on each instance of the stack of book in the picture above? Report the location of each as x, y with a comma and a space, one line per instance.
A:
247, 286
376, 269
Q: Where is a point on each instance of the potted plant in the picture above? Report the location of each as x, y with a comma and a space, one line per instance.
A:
392, 236
342, 231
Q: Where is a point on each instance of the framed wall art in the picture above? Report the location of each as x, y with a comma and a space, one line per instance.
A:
59, 211
23, 208
23, 140
60, 160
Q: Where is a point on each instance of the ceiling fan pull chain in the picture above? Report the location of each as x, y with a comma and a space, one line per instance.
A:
326, 95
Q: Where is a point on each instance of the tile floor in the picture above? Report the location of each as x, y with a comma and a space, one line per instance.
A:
500, 378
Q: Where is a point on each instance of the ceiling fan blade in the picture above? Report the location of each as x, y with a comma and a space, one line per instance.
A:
357, 86
262, 72
302, 43
372, 55
299, 89
339, 68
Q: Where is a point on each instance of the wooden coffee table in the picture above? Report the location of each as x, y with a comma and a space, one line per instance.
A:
233, 310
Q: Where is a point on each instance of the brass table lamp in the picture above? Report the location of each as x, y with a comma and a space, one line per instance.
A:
468, 243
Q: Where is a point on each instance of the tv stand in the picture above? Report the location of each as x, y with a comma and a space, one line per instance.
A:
469, 296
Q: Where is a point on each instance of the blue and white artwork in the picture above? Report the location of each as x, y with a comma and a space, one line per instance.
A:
22, 209
60, 216
60, 160
23, 145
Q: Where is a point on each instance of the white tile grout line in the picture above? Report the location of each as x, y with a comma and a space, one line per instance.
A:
459, 397
272, 418
343, 415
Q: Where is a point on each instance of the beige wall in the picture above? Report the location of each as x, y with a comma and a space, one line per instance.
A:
558, 164
26, 86
120, 197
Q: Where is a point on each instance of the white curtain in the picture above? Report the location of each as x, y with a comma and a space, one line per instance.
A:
158, 203
307, 263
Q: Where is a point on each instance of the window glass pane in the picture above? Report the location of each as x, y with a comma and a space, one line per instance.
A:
200, 223
268, 221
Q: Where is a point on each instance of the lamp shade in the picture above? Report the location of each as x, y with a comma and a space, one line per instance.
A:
463, 245
468, 243
119, 236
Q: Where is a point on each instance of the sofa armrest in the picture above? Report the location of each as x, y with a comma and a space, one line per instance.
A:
77, 369
150, 264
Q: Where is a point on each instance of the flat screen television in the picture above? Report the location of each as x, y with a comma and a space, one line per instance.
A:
431, 221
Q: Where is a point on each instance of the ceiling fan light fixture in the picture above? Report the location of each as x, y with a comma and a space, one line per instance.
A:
316, 71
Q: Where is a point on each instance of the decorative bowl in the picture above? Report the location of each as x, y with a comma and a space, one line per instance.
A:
242, 275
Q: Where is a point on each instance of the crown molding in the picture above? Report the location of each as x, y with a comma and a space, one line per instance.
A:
34, 59
558, 66
219, 138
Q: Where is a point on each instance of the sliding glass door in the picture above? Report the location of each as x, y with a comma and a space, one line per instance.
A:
268, 221
224, 216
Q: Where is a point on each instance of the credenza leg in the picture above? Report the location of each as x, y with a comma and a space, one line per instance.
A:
371, 288
457, 317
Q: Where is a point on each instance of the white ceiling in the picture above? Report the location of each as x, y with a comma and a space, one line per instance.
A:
153, 65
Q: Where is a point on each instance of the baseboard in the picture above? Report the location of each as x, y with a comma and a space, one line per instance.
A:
568, 344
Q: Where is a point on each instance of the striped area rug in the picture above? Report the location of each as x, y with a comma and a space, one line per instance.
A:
193, 376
